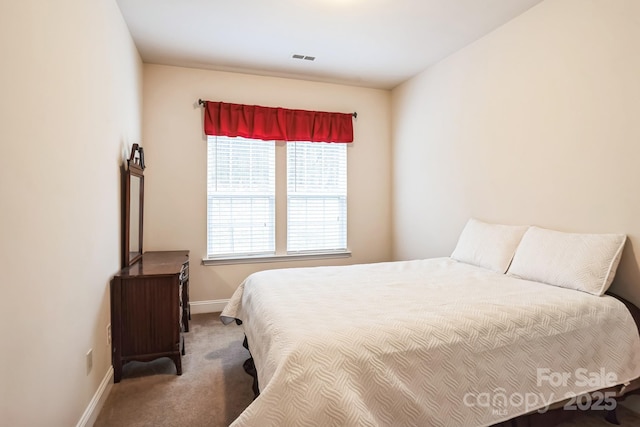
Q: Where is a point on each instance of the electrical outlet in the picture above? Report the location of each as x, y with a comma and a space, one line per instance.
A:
89, 360
109, 334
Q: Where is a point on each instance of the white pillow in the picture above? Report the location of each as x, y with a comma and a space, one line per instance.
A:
585, 262
488, 245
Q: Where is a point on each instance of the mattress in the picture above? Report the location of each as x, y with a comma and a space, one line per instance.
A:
423, 343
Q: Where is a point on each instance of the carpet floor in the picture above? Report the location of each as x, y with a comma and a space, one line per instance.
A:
213, 388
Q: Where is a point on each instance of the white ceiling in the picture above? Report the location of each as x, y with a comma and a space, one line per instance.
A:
373, 43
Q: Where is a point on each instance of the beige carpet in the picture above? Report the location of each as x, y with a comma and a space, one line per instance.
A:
213, 388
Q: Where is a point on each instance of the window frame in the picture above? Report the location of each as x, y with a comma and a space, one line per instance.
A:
281, 196
230, 196
319, 185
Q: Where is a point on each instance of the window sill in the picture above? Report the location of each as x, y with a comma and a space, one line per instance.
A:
275, 258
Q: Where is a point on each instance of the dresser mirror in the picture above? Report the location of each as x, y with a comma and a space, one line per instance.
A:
133, 206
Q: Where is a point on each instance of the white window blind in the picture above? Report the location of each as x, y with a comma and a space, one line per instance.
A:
316, 197
240, 196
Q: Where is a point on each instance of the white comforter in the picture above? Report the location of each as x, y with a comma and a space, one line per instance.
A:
423, 343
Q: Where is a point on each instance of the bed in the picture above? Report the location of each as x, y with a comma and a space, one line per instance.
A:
466, 340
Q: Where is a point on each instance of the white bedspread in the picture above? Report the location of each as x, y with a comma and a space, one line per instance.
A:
422, 343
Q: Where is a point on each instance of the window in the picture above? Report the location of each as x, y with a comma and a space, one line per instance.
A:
244, 187
240, 196
316, 197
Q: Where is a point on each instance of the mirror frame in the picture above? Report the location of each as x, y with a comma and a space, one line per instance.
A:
135, 167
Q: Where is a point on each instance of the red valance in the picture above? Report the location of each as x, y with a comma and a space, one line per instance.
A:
280, 124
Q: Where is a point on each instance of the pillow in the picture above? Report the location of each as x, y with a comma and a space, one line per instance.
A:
489, 246
584, 262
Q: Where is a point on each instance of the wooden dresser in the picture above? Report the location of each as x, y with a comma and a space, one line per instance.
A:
150, 309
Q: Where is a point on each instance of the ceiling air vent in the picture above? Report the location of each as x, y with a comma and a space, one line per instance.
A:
305, 57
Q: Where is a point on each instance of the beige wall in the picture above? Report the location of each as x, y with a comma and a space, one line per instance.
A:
175, 153
536, 123
71, 85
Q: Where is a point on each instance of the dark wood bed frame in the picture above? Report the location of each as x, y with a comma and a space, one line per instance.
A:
556, 413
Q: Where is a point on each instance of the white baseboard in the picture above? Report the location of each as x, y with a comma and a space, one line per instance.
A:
211, 306
97, 402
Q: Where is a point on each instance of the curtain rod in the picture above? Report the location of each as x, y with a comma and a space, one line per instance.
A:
354, 114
